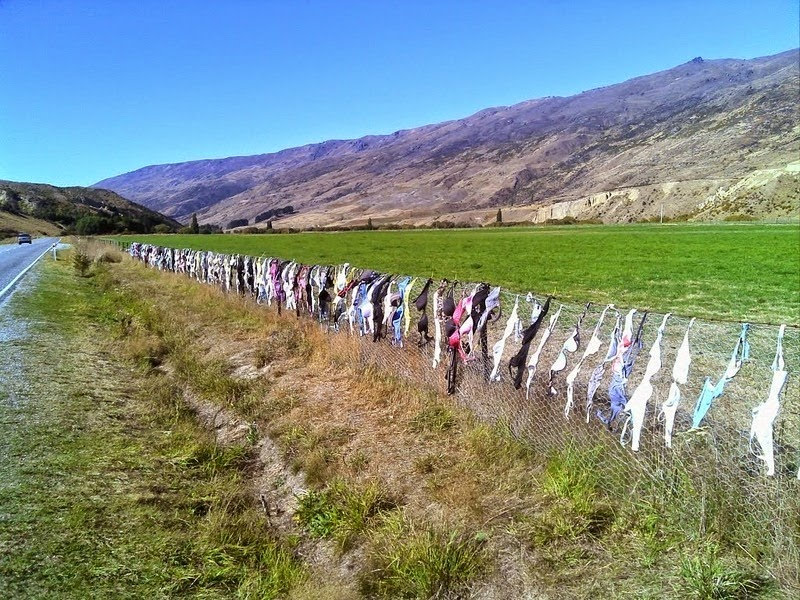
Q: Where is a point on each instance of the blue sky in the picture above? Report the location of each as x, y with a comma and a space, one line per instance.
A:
93, 89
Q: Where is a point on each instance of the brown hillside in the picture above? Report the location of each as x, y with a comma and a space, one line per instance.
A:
706, 138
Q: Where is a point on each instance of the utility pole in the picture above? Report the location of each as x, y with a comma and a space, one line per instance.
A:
661, 221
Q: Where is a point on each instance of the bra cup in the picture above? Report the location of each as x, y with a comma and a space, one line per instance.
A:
573, 375
641, 394
612, 350
454, 339
483, 297
732, 370
560, 363
422, 300
448, 306
571, 344
466, 328
449, 327
593, 346
680, 371
458, 314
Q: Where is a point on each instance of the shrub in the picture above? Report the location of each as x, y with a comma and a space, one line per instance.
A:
740, 217
236, 551
443, 225
453, 225
108, 257
565, 221
509, 224
572, 482
81, 262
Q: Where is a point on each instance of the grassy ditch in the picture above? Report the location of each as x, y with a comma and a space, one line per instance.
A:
112, 488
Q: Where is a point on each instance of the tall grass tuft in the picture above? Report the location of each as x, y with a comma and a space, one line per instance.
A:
237, 553
706, 577
405, 561
342, 511
433, 417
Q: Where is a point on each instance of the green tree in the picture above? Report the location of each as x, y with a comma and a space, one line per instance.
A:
369, 223
499, 218
269, 224
93, 225
238, 223
195, 228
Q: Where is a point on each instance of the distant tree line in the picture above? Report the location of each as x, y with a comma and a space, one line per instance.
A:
193, 227
272, 213
101, 224
439, 224
202, 229
97, 224
241, 225
77, 220
267, 215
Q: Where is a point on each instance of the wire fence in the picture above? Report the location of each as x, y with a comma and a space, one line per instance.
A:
713, 476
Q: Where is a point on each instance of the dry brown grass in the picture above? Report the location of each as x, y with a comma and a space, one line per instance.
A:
337, 413
333, 416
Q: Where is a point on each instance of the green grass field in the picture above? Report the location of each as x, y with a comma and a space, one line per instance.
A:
737, 271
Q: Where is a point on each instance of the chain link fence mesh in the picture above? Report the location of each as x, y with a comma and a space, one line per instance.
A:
711, 477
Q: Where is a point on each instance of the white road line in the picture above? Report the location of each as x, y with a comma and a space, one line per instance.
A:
26, 269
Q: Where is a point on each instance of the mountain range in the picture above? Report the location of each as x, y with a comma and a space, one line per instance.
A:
706, 139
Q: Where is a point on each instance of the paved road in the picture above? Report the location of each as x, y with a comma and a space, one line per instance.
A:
15, 259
